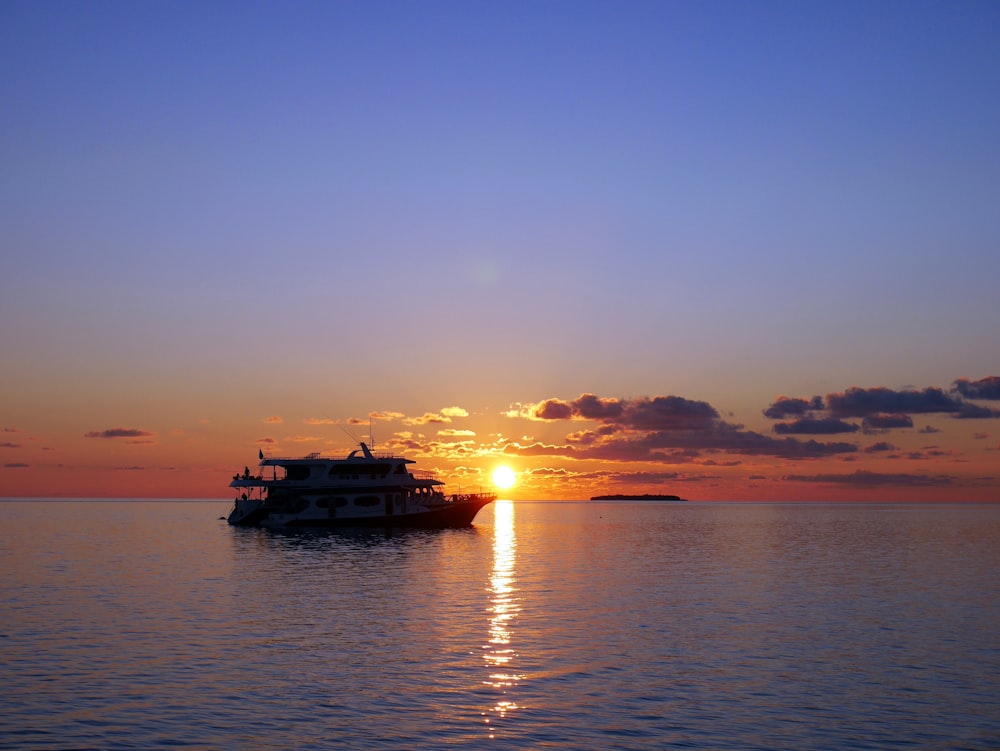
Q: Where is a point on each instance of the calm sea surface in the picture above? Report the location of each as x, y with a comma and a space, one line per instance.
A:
147, 625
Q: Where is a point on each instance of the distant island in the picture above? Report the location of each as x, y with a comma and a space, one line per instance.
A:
646, 497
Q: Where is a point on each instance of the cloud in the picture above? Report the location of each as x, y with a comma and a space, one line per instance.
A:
16, 465
666, 429
862, 402
750, 443
785, 406
864, 478
664, 413
686, 447
676, 430
454, 433
118, 433
657, 413
386, 416
552, 409
873, 423
929, 429
319, 421
9, 445
984, 388
540, 449
883, 408
274, 419
815, 426
975, 412
437, 418
591, 407
879, 447
586, 407
428, 418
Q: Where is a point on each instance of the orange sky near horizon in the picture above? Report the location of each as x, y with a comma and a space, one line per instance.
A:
560, 449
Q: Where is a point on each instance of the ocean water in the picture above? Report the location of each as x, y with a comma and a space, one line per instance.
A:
146, 625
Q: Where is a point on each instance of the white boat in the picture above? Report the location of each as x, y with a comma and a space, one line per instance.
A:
365, 489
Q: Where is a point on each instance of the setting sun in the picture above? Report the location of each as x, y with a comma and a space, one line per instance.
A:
504, 477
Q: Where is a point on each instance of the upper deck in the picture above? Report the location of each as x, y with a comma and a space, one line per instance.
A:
324, 471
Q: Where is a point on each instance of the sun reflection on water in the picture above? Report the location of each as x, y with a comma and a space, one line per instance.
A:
499, 653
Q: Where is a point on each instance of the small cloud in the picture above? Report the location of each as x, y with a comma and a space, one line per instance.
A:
980, 436
9, 445
885, 421
453, 433
319, 421
548, 472
785, 406
815, 426
864, 478
16, 465
385, 416
428, 418
266, 440
552, 409
879, 447
118, 433
454, 412
928, 429
130, 469
975, 412
273, 419
583, 437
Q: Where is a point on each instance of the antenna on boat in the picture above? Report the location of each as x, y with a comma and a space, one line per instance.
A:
355, 438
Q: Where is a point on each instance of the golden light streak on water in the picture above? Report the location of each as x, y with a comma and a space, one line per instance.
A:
499, 653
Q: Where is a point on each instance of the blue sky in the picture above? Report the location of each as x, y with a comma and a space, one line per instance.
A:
404, 206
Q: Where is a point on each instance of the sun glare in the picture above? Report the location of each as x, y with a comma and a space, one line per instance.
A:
504, 477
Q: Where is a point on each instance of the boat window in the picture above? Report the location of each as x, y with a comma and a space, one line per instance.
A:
354, 469
322, 503
340, 502
297, 472
367, 500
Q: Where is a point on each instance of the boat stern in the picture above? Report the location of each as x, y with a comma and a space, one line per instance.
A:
246, 512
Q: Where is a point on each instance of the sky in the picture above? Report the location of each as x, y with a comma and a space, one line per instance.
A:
725, 250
